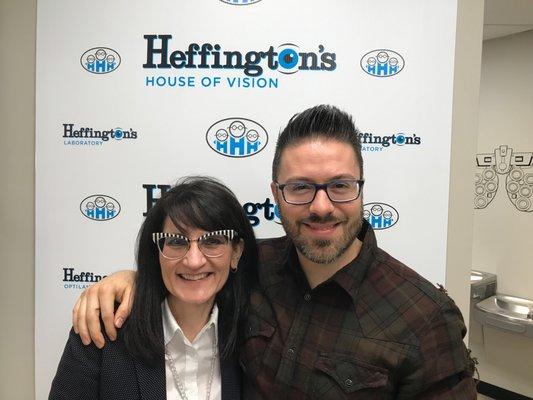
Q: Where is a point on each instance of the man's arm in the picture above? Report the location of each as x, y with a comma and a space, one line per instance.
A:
97, 301
444, 369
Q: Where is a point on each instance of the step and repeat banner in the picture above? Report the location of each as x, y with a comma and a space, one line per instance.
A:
133, 95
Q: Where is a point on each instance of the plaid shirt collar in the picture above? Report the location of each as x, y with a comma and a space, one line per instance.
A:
348, 277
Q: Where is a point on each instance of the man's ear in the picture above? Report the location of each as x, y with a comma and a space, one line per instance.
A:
275, 191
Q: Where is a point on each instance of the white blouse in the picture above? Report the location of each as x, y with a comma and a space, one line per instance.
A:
192, 360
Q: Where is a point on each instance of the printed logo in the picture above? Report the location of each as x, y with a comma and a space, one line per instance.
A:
256, 212
382, 63
100, 207
268, 210
237, 137
240, 2
380, 215
86, 136
79, 280
515, 167
287, 58
100, 60
371, 142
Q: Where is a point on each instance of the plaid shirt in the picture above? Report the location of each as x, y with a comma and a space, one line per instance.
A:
374, 330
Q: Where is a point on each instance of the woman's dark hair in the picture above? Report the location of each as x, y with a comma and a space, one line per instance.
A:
194, 202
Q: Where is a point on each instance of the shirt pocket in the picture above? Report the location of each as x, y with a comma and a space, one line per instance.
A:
258, 335
340, 377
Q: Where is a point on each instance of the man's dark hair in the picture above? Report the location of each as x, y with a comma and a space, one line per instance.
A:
194, 202
322, 121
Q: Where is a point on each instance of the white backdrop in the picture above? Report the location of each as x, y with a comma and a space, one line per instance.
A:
111, 131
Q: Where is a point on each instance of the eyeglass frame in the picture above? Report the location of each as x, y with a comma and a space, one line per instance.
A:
321, 186
230, 234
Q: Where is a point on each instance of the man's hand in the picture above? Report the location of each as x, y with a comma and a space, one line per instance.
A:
99, 300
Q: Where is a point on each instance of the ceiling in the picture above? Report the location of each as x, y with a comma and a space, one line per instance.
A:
505, 17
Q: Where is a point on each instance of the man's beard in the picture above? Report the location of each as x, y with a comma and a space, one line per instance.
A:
323, 251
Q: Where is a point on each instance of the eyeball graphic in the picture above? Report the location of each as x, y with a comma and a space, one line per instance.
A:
387, 214
288, 58
366, 214
89, 206
393, 62
100, 54
237, 129
376, 210
100, 202
400, 139
90, 59
110, 206
118, 133
110, 59
221, 135
382, 57
371, 61
252, 135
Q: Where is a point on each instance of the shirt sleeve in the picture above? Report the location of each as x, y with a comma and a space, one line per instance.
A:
78, 373
444, 369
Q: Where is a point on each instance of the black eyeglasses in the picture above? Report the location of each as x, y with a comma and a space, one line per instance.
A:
175, 246
338, 190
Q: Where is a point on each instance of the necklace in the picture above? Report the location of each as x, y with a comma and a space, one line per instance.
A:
177, 379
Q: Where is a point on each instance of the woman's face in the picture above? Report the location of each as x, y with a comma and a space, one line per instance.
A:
196, 279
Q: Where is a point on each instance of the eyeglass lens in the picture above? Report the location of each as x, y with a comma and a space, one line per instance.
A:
340, 190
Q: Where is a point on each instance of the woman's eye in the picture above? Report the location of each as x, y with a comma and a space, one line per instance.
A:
176, 242
215, 240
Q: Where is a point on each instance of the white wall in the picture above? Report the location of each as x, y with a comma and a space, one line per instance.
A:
17, 145
464, 128
503, 236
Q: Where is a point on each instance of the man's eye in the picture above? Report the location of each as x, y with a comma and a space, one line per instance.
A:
299, 187
340, 185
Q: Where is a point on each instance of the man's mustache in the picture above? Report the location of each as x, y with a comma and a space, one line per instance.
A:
316, 219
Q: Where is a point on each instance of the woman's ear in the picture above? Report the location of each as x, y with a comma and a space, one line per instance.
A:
236, 255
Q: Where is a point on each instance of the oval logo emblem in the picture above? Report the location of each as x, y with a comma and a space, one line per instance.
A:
240, 2
100, 60
380, 215
100, 207
382, 63
237, 137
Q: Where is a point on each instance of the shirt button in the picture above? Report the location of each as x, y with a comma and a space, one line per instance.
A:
348, 382
291, 352
307, 297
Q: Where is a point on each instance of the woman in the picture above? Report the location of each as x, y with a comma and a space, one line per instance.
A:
196, 258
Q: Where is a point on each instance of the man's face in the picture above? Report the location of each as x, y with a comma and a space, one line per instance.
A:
322, 231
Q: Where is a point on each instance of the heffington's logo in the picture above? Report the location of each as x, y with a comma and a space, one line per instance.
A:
100, 207
375, 143
286, 58
86, 136
382, 63
237, 137
100, 60
380, 215
240, 2
79, 280
267, 210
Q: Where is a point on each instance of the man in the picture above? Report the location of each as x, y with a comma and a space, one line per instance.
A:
335, 317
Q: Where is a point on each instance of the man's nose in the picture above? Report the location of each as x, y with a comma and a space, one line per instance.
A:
194, 258
321, 205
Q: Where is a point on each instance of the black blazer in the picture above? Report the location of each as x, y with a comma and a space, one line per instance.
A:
111, 373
